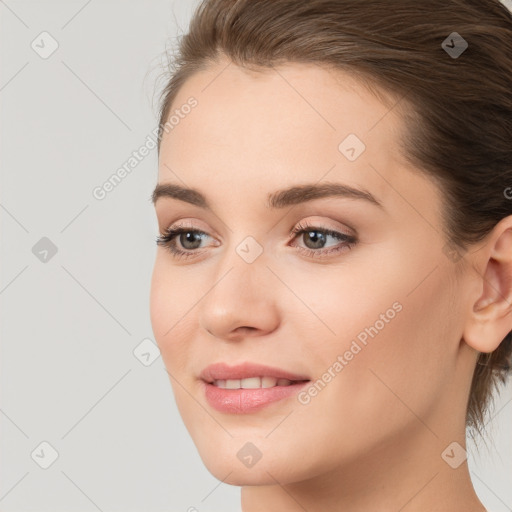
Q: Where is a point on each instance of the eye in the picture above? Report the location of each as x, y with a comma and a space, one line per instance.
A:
190, 239
316, 238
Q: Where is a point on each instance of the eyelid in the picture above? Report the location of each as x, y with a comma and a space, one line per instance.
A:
187, 224
322, 225
303, 224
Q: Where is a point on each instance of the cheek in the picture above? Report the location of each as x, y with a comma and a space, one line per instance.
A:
170, 303
392, 348
401, 370
159, 299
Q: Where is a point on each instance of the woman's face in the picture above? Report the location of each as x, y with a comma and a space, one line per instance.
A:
363, 302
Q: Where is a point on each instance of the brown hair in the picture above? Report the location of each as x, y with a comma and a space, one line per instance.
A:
459, 107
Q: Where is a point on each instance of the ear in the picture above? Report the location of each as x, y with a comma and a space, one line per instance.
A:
490, 318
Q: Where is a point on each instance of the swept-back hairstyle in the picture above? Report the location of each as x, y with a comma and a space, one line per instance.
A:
457, 107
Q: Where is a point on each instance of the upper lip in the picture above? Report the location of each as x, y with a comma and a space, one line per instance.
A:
222, 371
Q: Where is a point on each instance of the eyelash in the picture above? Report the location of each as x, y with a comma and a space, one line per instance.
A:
167, 240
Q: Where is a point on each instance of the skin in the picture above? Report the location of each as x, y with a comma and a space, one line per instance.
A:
373, 437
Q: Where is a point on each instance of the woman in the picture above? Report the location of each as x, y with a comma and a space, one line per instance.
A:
332, 291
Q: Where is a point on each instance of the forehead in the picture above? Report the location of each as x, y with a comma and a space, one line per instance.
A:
286, 123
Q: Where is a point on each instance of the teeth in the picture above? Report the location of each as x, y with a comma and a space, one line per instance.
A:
268, 382
251, 383
232, 384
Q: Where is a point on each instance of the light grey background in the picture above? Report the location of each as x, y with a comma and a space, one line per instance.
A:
70, 325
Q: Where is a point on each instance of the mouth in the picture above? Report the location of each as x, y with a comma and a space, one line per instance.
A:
245, 371
254, 383
248, 387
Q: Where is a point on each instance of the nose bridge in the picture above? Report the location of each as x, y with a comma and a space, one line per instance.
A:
241, 273
238, 296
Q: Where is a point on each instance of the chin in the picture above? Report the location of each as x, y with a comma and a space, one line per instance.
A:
242, 476
253, 460
235, 473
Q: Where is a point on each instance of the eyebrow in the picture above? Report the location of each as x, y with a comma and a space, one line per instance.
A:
276, 200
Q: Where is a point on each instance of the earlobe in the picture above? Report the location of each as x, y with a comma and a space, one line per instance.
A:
490, 319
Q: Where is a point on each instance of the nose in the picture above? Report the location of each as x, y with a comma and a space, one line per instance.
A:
241, 302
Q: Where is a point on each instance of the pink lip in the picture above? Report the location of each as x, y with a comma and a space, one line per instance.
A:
242, 401
222, 371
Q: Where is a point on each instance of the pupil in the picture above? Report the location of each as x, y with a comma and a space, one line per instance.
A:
189, 237
317, 238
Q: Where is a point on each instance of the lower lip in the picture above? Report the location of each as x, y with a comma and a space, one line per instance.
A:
241, 401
